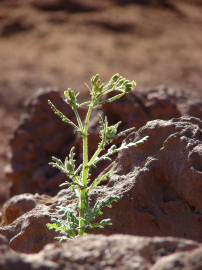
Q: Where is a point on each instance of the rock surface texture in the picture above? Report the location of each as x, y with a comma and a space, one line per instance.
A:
114, 252
153, 103
159, 184
41, 135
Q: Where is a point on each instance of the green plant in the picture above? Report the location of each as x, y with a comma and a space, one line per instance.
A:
78, 221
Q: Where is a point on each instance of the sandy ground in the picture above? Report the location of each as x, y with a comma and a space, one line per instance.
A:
57, 43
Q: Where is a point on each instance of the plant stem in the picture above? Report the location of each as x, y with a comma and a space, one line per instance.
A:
78, 119
83, 199
96, 154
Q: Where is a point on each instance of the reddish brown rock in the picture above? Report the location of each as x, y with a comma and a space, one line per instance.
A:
28, 233
149, 104
144, 105
12, 25
17, 206
39, 136
24, 220
3, 244
67, 5
141, 106
159, 184
114, 252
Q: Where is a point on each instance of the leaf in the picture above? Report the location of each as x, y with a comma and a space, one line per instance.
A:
71, 98
89, 216
61, 239
99, 180
96, 89
107, 133
105, 222
68, 166
107, 202
126, 132
58, 164
121, 84
63, 117
64, 184
69, 163
69, 227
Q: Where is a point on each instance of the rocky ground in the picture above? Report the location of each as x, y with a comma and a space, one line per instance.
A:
62, 43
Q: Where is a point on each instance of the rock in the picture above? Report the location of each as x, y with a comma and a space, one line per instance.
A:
14, 25
17, 206
66, 5
3, 244
141, 106
39, 136
159, 3
28, 233
195, 108
113, 252
25, 217
149, 104
159, 182
144, 105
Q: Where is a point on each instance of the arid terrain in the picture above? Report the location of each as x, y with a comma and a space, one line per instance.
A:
62, 43
56, 44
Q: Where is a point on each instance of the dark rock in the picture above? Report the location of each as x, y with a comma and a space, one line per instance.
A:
39, 136
66, 5
114, 252
28, 233
144, 105
14, 25
149, 104
17, 206
159, 182
25, 227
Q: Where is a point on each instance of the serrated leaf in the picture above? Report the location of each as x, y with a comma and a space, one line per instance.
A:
107, 202
99, 180
71, 98
61, 115
105, 222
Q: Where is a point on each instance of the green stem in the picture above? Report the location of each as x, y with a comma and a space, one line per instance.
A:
83, 200
78, 119
96, 154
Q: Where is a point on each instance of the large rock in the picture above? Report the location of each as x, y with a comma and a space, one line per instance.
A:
28, 233
17, 206
39, 136
154, 103
114, 252
144, 105
159, 184
24, 219
141, 106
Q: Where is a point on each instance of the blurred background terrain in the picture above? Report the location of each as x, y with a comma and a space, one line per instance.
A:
63, 42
